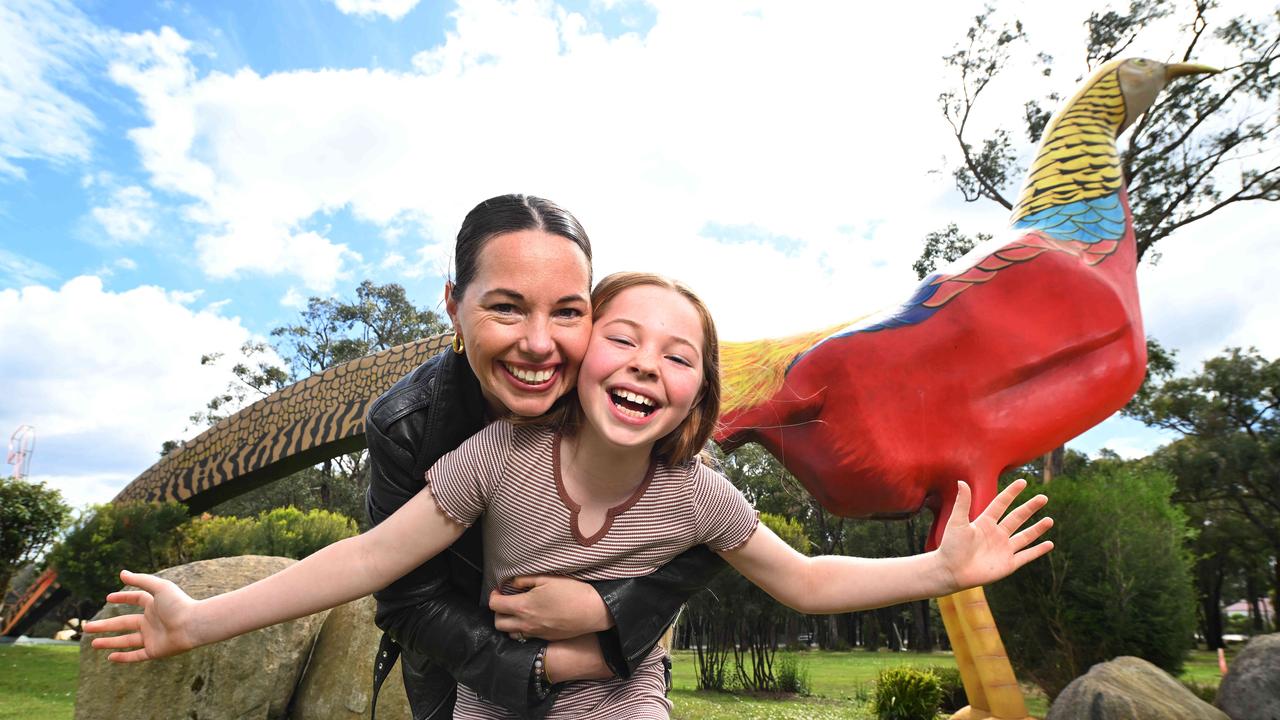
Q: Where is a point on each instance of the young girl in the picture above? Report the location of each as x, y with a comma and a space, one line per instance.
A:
609, 488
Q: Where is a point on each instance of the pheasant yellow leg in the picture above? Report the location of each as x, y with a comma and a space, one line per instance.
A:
988, 677
964, 660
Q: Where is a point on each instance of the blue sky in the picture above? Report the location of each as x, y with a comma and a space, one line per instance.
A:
178, 177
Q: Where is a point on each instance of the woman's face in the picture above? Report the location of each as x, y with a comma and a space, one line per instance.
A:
525, 319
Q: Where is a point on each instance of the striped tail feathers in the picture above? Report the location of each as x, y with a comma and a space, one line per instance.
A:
752, 372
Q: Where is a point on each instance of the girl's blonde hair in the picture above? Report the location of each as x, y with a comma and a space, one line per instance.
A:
688, 438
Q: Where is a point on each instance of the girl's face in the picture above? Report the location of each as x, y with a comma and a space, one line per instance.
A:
525, 319
642, 373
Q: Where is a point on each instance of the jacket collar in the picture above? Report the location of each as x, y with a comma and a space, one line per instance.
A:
457, 387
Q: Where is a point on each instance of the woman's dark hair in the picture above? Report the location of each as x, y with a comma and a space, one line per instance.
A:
511, 213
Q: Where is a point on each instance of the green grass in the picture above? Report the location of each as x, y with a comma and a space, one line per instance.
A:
840, 690
842, 683
1202, 666
837, 677
38, 682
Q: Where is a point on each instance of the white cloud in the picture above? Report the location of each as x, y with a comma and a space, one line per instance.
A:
184, 297
42, 42
127, 217
80, 491
648, 138
1214, 286
200, 134
21, 270
807, 123
106, 377
430, 261
393, 9
272, 249
294, 299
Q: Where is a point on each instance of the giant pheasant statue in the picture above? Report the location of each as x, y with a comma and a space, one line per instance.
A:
1028, 341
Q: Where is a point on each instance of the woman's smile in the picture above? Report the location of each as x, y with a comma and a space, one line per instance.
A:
528, 377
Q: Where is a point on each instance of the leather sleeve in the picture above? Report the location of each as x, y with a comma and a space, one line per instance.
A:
426, 613
644, 607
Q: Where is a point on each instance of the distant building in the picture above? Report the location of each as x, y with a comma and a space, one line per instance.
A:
1241, 608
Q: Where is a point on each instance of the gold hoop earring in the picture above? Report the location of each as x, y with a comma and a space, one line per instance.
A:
458, 345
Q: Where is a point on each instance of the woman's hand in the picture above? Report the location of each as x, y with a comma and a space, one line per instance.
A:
551, 607
989, 548
163, 628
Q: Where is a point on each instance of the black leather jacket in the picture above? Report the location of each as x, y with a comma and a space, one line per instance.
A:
434, 612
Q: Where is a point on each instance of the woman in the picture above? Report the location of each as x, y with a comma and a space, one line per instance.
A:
520, 308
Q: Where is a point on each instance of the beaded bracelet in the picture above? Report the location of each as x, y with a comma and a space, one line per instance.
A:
541, 685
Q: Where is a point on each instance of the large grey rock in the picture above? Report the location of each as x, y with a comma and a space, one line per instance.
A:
338, 681
1251, 688
252, 676
1129, 688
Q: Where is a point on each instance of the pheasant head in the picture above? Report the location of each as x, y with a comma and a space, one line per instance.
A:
1141, 80
1078, 160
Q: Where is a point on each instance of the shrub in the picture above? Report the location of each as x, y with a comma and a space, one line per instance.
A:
952, 686
212, 536
147, 537
286, 532
907, 694
1117, 583
793, 675
137, 536
733, 617
289, 532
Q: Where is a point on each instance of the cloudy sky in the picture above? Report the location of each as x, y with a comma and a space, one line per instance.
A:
178, 177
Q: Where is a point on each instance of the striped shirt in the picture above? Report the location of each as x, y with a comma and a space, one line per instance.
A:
510, 475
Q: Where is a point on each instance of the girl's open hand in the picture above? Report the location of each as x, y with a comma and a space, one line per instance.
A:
163, 628
989, 548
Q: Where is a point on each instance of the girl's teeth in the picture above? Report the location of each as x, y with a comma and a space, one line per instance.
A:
533, 377
630, 413
633, 397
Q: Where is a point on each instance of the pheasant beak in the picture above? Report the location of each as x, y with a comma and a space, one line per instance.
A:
1180, 69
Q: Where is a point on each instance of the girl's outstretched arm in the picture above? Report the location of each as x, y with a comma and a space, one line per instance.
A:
171, 622
971, 554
